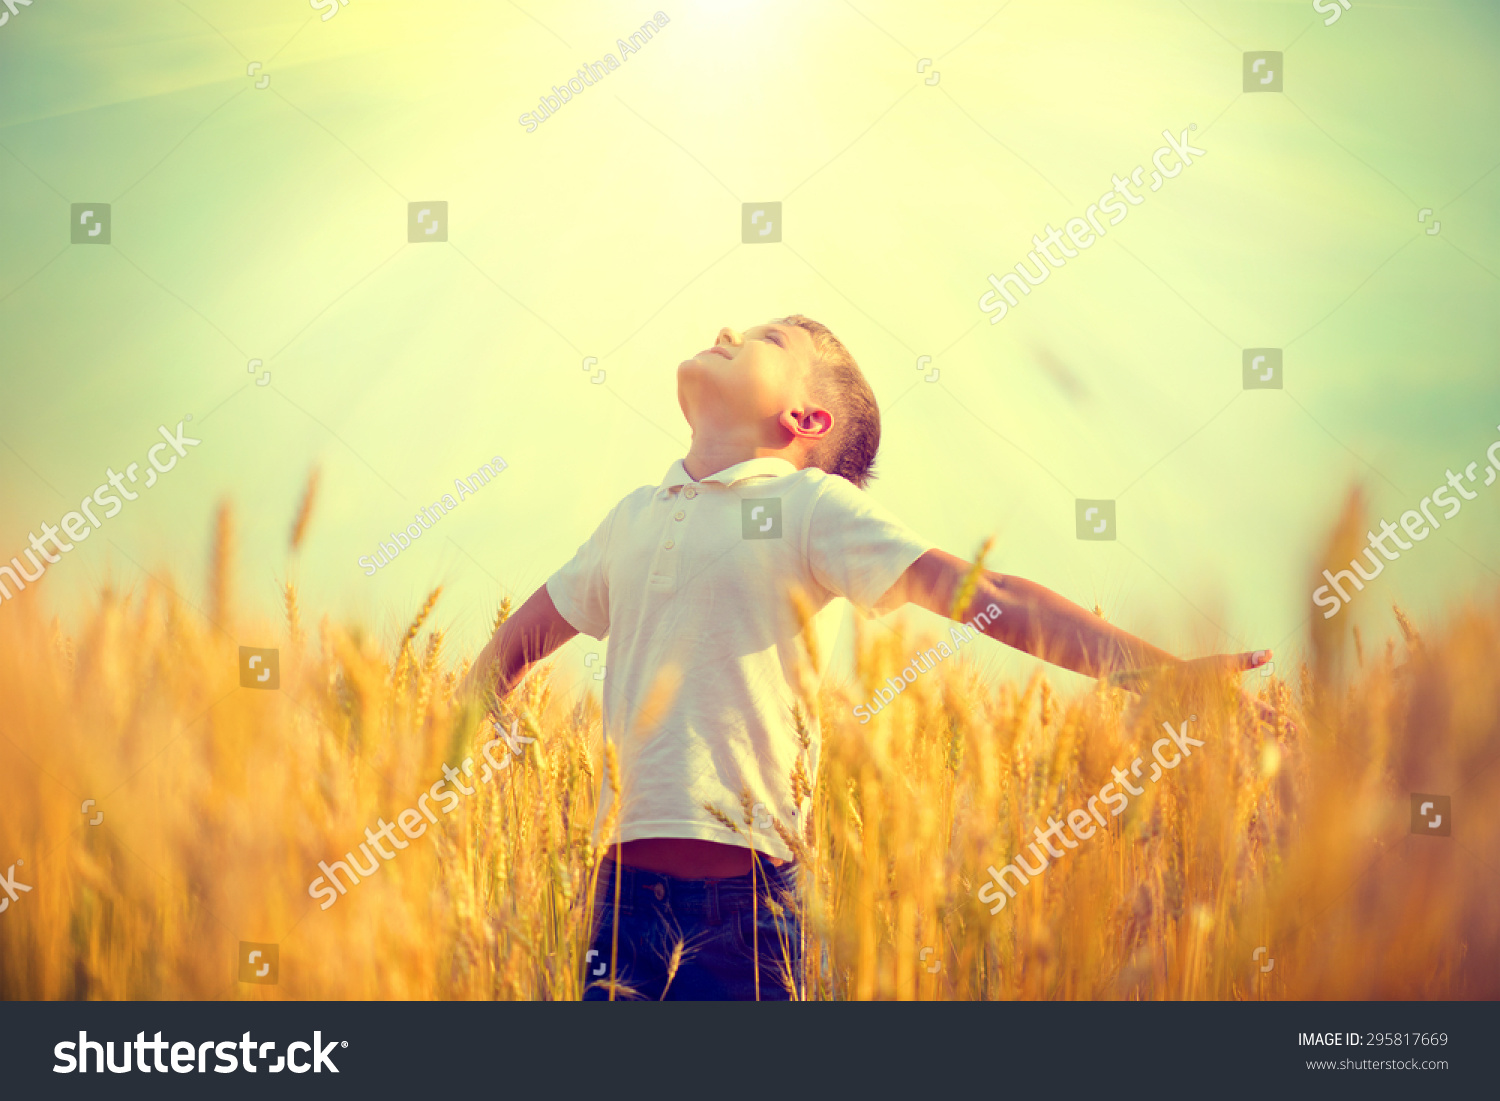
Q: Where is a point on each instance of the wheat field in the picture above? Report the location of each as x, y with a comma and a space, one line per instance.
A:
219, 802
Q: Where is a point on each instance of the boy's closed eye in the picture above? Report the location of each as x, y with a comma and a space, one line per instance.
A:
767, 333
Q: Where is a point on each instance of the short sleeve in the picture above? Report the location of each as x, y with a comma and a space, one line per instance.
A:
580, 590
855, 548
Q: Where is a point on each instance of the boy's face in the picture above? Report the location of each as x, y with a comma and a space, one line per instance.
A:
752, 385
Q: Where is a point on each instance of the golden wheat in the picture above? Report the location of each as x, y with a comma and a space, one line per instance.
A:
219, 802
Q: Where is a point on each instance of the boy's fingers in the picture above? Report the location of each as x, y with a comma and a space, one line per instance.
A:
1267, 714
1232, 663
1238, 663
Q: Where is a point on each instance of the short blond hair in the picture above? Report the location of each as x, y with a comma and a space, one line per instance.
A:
839, 385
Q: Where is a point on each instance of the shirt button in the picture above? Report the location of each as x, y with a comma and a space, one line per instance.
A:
669, 544
690, 493
659, 891
680, 515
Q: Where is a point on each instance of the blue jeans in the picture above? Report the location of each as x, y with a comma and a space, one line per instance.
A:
696, 939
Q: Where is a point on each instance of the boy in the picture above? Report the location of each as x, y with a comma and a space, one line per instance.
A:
689, 579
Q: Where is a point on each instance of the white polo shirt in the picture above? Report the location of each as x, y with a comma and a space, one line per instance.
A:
690, 581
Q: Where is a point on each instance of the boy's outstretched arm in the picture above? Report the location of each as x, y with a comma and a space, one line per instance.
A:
531, 633
1037, 620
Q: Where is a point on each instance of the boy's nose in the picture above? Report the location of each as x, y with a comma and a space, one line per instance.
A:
729, 336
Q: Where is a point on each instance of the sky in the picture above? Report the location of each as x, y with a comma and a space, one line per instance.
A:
259, 164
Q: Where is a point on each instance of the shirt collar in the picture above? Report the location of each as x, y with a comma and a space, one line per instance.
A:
766, 467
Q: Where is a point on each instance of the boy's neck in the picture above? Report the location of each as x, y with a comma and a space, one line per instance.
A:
707, 457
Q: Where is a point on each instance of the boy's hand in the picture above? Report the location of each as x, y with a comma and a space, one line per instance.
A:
1216, 663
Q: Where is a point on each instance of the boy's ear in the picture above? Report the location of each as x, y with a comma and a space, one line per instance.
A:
811, 422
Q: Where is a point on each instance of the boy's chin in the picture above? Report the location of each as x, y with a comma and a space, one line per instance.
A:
703, 361
693, 372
